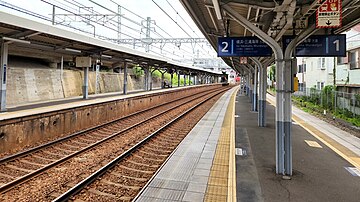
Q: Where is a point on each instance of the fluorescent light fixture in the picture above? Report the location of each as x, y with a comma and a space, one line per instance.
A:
145, 63
217, 9
16, 40
106, 56
73, 50
129, 60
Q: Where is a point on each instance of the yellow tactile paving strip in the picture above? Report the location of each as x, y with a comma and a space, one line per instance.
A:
222, 180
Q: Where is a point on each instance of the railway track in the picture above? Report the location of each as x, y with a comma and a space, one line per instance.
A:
123, 178
69, 149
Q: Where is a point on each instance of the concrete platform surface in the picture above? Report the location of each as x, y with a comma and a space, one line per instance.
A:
319, 173
188, 174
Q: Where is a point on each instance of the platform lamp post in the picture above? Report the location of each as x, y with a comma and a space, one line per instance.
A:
85, 63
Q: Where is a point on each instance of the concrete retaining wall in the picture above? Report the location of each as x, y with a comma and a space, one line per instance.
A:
32, 85
31, 130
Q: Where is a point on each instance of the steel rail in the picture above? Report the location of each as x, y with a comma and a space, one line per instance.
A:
22, 179
51, 143
81, 185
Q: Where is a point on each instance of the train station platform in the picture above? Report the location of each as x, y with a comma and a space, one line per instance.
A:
15, 111
227, 157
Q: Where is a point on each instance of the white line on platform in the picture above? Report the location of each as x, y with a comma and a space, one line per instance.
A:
354, 171
313, 144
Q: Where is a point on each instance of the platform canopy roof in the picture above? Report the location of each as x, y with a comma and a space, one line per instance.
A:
37, 40
274, 17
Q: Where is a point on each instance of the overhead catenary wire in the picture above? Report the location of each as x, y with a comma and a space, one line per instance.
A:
182, 18
171, 18
90, 20
73, 7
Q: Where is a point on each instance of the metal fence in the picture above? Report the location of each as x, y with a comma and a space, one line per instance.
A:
335, 101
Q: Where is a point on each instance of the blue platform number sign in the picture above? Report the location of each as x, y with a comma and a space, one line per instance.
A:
320, 46
225, 46
250, 46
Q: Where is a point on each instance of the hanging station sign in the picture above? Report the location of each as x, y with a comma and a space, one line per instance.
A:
328, 15
319, 46
250, 46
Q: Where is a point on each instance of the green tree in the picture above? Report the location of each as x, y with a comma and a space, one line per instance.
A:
137, 71
272, 73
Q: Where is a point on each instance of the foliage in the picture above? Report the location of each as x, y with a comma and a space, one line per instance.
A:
328, 98
167, 76
137, 71
272, 73
318, 101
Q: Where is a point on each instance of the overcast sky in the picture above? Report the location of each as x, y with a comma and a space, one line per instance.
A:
166, 27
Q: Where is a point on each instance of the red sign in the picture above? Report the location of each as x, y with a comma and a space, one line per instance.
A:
328, 15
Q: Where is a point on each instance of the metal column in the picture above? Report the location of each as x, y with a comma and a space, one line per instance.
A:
151, 80
86, 83
184, 79
247, 84
146, 78
4, 62
162, 79
281, 99
255, 98
251, 87
125, 78
171, 78
178, 76
262, 98
262, 92
97, 69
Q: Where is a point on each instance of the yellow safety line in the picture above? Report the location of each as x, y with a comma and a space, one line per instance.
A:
222, 180
342, 151
232, 162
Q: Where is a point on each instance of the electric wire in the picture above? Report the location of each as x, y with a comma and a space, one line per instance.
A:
171, 18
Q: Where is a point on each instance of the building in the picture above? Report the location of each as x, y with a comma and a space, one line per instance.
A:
348, 68
318, 72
